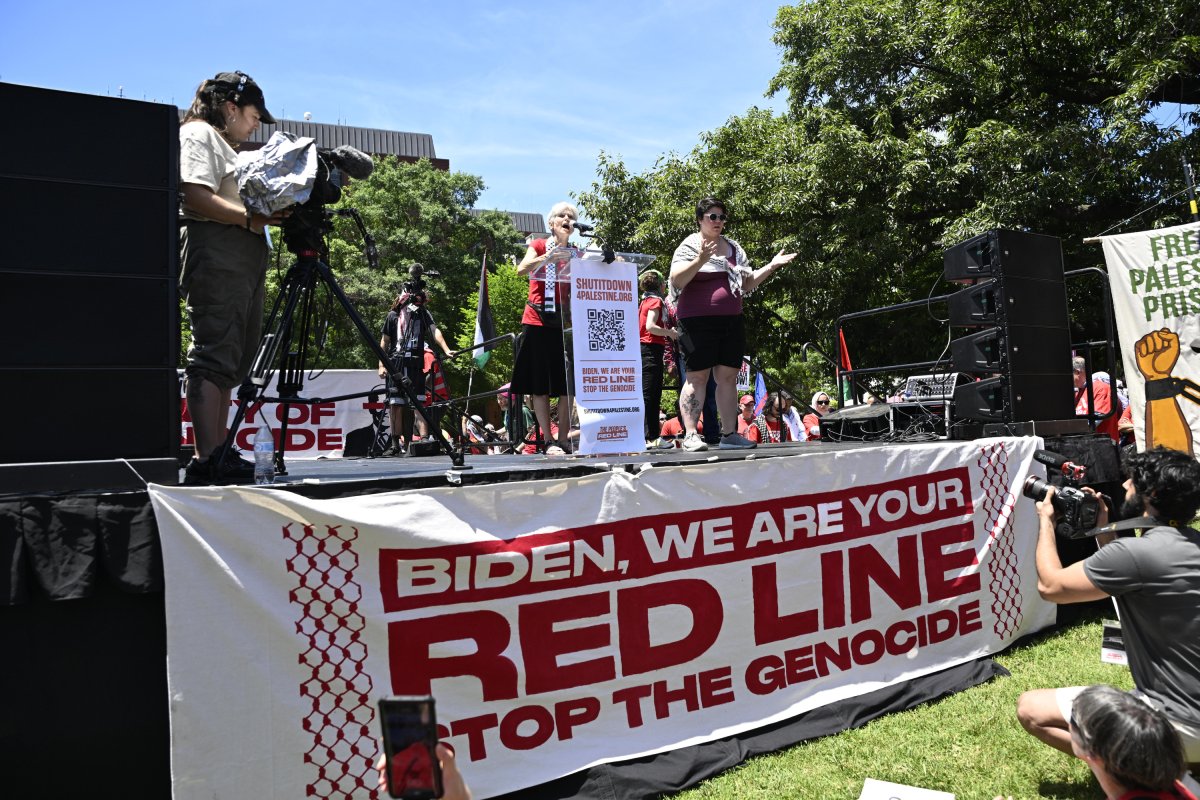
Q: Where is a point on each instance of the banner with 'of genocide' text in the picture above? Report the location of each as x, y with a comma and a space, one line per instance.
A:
313, 429
1155, 281
565, 623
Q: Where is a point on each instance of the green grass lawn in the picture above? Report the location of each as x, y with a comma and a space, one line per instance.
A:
970, 744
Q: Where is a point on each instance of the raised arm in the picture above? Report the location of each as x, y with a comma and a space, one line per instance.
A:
760, 275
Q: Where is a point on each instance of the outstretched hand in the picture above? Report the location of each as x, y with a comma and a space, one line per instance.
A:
781, 258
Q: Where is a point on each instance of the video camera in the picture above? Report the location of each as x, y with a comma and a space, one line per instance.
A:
305, 228
415, 286
1077, 511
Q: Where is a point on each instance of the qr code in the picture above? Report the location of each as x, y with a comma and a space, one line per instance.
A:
606, 329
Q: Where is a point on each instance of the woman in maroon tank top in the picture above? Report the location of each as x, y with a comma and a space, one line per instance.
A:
709, 275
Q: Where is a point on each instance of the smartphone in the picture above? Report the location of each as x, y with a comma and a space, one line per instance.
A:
409, 742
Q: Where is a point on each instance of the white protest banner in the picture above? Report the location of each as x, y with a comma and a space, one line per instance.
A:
565, 623
608, 361
319, 429
1155, 280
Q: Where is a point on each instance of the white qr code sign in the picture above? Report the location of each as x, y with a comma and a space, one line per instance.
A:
608, 364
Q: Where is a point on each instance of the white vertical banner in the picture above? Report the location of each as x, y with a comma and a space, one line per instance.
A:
1155, 281
608, 364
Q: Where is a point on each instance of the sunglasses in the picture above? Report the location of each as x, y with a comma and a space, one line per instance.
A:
826, 402
715, 217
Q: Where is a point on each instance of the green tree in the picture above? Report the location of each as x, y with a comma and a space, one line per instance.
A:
912, 125
416, 213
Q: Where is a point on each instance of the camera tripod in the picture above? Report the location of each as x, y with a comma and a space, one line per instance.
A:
284, 348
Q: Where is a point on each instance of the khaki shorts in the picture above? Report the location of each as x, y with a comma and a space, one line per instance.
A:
222, 278
1189, 734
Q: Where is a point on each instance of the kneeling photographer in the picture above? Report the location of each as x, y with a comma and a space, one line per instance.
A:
1155, 579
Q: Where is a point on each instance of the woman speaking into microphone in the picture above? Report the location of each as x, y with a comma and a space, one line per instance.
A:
540, 368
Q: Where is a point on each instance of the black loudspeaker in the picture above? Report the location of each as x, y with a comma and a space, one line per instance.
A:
89, 308
1010, 253
1020, 351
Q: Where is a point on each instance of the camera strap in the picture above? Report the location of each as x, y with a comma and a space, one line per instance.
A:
1126, 525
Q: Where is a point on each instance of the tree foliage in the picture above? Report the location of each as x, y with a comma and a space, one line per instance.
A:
416, 213
912, 125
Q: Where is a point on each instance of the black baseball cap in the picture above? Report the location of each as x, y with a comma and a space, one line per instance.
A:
242, 90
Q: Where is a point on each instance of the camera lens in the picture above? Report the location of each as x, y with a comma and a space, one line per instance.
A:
1035, 488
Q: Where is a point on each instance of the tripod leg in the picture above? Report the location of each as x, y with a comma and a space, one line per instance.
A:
278, 331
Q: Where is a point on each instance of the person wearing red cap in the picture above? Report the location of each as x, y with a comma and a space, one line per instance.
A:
746, 415
223, 265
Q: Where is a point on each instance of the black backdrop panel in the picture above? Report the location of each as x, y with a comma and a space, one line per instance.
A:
89, 414
88, 138
80, 227
88, 275
100, 321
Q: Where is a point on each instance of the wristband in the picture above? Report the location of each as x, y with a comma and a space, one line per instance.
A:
1163, 388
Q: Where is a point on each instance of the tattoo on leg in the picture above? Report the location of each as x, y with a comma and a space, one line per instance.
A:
690, 408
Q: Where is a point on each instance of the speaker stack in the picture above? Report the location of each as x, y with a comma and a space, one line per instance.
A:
88, 299
1016, 345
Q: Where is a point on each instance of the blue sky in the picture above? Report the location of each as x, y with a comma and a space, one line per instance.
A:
524, 94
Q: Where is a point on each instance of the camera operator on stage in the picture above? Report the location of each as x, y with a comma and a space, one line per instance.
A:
403, 339
1155, 579
223, 265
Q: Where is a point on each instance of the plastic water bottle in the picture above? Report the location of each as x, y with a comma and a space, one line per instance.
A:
264, 455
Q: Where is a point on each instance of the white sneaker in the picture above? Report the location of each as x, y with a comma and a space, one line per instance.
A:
735, 441
694, 443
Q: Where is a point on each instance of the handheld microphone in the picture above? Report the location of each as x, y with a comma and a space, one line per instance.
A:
583, 227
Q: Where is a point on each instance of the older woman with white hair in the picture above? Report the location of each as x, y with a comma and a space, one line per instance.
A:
540, 370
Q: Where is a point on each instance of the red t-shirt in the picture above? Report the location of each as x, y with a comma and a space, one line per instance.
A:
647, 305
775, 431
810, 422
1103, 399
674, 427
537, 292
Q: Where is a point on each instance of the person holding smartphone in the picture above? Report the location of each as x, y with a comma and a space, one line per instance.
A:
454, 787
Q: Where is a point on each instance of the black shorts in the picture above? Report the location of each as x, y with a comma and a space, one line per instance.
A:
708, 342
539, 367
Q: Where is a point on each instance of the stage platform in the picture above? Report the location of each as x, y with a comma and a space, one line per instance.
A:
100, 549
391, 473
